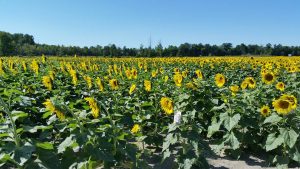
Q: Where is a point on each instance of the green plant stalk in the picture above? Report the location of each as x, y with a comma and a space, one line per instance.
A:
77, 119
6, 110
113, 126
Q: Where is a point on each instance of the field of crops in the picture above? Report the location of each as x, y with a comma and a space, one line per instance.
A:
87, 112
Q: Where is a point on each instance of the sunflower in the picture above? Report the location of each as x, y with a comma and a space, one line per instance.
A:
128, 74
244, 84
234, 89
51, 107
99, 84
47, 82
176, 70
114, 84
147, 85
136, 128
282, 106
35, 66
268, 77
154, 73
73, 74
161, 70
191, 85
280, 86
167, 105
51, 74
220, 80
265, 111
132, 88
292, 99
88, 81
94, 106
251, 82
199, 74
134, 73
184, 73
177, 79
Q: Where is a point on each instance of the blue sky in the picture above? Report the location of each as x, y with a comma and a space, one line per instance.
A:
131, 22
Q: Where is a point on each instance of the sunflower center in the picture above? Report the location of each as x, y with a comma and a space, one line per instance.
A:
265, 111
269, 77
284, 104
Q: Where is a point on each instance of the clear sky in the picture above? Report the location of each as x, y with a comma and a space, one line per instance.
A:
131, 22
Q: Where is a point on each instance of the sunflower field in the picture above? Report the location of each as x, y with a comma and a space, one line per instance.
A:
89, 112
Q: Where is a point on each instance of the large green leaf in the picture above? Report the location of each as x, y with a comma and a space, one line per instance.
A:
65, 144
274, 118
289, 136
230, 122
273, 141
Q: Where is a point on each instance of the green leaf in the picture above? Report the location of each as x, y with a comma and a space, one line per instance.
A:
45, 145
290, 136
23, 154
230, 122
294, 154
222, 106
214, 127
18, 114
232, 140
273, 141
274, 118
65, 144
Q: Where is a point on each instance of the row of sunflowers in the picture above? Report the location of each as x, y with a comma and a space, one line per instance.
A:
89, 112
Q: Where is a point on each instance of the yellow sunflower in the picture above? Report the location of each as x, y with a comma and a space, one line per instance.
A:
234, 89
282, 106
251, 82
88, 81
280, 86
132, 88
167, 105
177, 79
147, 85
265, 111
47, 82
136, 128
114, 84
99, 84
244, 84
51, 107
292, 99
94, 106
268, 77
220, 80
199, 74
134, 73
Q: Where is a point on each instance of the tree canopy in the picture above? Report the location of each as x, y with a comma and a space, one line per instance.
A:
24, 45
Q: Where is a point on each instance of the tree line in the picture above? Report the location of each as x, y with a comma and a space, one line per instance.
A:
24, 45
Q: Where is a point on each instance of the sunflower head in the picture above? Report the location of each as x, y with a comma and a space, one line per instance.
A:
114, 84
132, 88
47, 82
199, 74
282, 106
220, 80
265, 111
280, 86
136, 128
268, 77
291, 98
147, 85
251, 82
167, 105
178, 79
